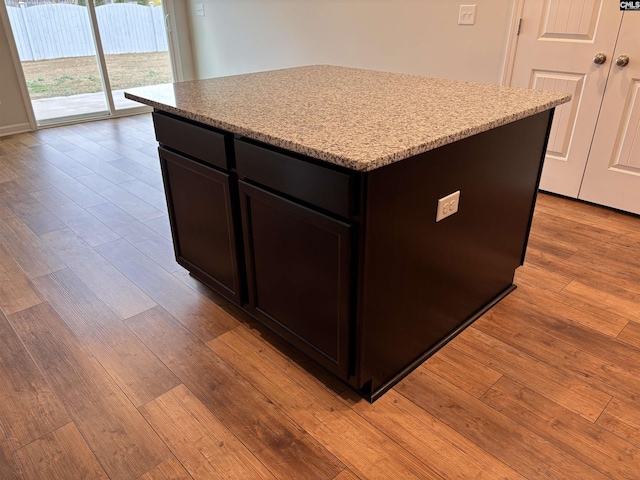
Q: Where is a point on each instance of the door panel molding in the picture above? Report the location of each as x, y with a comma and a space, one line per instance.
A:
565, 115
627, 151
573, 20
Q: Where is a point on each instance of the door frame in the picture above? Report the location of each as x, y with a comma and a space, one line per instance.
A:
176, 69
17, 66
512, 43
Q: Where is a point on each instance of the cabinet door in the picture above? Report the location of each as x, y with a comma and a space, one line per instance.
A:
299, 268
202, 222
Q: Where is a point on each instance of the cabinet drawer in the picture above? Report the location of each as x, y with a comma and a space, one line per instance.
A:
197, 141
321, 186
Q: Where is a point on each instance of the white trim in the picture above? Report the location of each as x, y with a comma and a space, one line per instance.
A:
172, 40
13, 129
17, 66
94, 116
512, 43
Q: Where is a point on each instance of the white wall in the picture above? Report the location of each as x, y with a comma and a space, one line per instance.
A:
13, 115
409, 36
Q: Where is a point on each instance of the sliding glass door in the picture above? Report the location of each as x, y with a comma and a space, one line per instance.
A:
78, 56
58, 56
134, 41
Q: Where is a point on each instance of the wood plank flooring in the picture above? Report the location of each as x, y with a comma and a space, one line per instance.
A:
116, 364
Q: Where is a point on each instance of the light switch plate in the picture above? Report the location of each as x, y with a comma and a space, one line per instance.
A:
199, 8
448, 205
467, 15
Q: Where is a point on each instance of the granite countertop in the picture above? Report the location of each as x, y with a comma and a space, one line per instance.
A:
360, 119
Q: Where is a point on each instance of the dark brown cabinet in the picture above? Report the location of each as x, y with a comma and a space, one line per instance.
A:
299, 274
351, 267
203, 222
296, 278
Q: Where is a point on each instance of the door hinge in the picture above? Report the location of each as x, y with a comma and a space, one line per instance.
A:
518, 27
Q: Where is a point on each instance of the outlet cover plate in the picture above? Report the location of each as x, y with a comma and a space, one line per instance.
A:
467, 15
199, 8
448, 205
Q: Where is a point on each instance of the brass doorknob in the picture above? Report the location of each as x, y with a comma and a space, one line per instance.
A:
622, 60
599, 59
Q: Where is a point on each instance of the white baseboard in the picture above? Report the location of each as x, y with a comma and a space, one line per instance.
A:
17, 128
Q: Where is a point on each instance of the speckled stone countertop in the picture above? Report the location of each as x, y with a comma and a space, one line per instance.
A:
360, 119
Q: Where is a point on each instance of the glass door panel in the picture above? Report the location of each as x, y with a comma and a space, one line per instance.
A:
135, 46
78, 56
57, 51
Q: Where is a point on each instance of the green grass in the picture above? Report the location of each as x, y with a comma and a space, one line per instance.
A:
62, 77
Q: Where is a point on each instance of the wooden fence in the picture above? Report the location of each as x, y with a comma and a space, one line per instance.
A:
60, 30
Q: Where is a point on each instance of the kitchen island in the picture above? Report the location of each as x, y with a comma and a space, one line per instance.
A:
366, 217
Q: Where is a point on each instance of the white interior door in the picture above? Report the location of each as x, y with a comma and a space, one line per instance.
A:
555, 51
612, 176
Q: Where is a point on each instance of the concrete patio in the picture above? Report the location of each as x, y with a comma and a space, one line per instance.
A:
47, 109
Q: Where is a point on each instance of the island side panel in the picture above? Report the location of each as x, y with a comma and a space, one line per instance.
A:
423, 279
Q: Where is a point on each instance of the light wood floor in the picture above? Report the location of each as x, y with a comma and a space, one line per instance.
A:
114, 363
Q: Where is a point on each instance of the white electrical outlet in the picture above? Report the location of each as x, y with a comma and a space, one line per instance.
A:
448, 205
467, 15
199, 7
